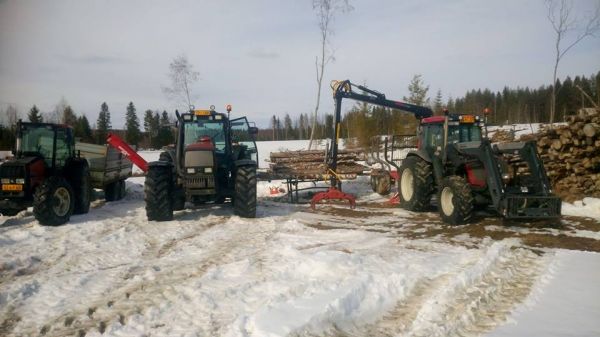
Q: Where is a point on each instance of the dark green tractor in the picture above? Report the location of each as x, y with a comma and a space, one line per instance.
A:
214, 160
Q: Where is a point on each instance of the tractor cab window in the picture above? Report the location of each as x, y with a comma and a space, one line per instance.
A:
212, 129
63, 147
242, 139
464, 133
434, 135
38, 140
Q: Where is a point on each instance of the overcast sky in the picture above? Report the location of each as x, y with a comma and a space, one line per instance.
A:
259, 55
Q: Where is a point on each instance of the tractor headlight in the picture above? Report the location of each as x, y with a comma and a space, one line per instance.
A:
208, 170
191, 170
20, 181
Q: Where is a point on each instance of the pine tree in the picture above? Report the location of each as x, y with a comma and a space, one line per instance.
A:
287, 125
437, 103
35, 116
83, 130
418, 91
103, 124
68, 117
132, 124
165, 137
151, 123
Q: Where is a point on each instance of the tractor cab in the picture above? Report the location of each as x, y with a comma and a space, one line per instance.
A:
40, 149
463, 131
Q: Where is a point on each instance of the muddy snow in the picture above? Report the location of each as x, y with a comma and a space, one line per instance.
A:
373, 271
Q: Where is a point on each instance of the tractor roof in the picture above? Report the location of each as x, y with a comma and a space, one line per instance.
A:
452, 118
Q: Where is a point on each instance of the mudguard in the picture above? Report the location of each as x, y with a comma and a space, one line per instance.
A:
245, 162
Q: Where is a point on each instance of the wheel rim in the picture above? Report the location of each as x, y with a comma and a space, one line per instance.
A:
62, 201
406, 184
446, 201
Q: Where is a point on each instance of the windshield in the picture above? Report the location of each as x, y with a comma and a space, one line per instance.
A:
213, 129
36, 140
464, 133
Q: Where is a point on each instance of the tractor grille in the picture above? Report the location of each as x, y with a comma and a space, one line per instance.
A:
12, 172
200, 182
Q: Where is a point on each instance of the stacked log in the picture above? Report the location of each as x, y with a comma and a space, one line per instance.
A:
503, 136
571, 154
311, 163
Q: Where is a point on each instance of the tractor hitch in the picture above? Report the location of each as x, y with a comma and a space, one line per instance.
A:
332, 194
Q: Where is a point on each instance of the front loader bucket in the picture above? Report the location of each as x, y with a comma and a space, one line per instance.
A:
532, 207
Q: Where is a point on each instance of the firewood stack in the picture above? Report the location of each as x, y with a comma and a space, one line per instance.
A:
571, 155
311, 163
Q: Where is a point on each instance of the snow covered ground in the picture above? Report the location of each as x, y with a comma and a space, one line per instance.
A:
373, 271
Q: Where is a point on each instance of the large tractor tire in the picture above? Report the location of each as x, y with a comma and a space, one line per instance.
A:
82, 186
415, 185
53, 202
158, 190
381, 182
244, 201
111, 191
455, 200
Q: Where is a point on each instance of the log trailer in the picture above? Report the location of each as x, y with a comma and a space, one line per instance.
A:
456, 161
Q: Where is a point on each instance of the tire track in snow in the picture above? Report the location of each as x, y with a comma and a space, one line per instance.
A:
133, 295
465, 303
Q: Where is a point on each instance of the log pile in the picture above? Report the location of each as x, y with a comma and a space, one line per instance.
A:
311, 163
503, 136
571, 155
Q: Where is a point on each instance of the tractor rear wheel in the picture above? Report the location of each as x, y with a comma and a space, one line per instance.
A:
53, 202
111, 191
415, 185
83, 190
244, 201
158, 189
455, 200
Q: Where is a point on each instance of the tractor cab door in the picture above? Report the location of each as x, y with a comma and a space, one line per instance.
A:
433, 138
242, 140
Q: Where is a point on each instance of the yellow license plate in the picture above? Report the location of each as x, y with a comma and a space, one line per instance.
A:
468, 119
12, 187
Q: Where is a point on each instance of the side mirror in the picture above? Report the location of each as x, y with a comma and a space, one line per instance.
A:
253, 130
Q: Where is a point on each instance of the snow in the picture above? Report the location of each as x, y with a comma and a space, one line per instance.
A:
291, 271
588, 207
562, 306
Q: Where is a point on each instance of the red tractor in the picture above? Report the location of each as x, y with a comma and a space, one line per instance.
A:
455, 161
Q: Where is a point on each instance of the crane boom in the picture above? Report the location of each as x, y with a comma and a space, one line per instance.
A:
343, 90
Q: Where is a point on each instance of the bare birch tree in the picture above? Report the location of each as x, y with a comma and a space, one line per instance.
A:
183, 76
563, 22
326, 11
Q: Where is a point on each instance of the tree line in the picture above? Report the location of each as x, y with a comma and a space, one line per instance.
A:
157, 126
511, 105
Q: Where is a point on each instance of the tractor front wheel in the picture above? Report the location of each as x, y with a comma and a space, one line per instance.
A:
53, 202
415, 185
455, 200
244, 201
158, 189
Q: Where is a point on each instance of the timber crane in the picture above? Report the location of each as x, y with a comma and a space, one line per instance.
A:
343, 90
